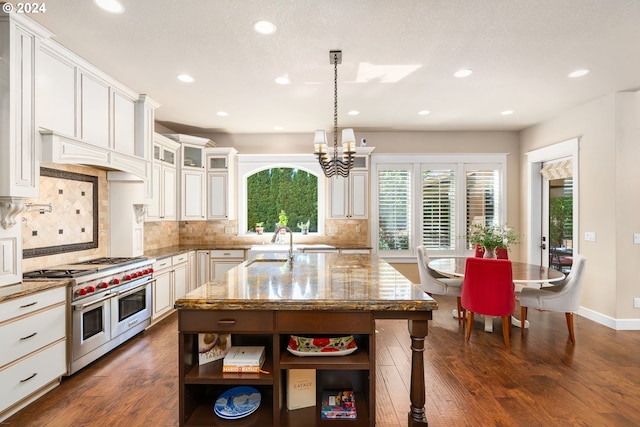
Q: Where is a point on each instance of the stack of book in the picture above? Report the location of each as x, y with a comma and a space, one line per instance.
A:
338, 405
244, 359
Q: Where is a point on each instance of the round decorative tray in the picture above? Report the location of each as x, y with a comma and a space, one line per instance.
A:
322, 346
237, 402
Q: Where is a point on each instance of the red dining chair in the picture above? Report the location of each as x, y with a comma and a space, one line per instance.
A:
488, 289
501, 253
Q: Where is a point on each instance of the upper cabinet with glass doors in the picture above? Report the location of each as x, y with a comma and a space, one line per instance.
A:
221, 183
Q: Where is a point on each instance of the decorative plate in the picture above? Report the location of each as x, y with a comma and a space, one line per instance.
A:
237, 402
322, 346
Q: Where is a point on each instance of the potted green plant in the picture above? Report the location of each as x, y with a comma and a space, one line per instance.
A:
492, 237
304, 227
283, 219
259, 227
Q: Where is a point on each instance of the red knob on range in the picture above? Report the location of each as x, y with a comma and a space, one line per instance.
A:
127, 277
103, 285
134, 275
91, 289
145, 271
82, 291
115, 281
150, 270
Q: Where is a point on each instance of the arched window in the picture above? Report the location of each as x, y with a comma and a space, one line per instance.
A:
268, 184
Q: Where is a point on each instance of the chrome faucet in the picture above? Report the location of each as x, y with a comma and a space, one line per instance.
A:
275, 235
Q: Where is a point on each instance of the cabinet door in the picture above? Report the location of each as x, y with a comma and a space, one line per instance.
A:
218, 195
192, 195
359, 195
202, 262
162, 298
95, 111
123, 124
338, 192
56, 94
193, 271
180, 273
168, 193
218, 268
153, 208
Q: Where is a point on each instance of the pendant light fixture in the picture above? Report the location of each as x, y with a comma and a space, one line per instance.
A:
339, 164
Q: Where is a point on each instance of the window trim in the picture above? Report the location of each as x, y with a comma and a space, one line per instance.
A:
416, 162
248, 164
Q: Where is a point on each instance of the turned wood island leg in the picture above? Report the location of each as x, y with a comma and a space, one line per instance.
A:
418, 332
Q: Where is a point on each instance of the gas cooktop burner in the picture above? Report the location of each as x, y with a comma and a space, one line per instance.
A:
107, 260
57, 274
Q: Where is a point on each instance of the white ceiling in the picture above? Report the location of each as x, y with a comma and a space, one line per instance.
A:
520, 51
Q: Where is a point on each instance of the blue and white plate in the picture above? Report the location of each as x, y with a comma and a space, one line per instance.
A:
237, 402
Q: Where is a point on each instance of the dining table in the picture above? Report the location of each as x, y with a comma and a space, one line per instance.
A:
523, 275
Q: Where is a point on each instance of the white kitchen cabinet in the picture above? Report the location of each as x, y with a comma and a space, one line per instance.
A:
221, 183
33, 330
348, 198
224, 260
171, 274
203, 266
163, 201
123, 122
19, 164
192, 176
56, 85
94, 108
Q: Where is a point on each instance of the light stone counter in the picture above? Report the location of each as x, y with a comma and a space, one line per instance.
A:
315, 281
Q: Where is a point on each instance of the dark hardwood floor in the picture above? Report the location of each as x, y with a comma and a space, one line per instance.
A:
543, 380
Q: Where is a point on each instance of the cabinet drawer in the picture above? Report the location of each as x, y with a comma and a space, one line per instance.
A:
162, 264
230, 253
31, 374
321, 323
30, 303
178, 259
226, 321
31, 333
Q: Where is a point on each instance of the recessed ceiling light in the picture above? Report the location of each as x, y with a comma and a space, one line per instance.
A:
222, 113
507, 112
278, 128
353, 113
424, 112
578, 73
283, 80
111, 6
186, 78
463, 73
264, 27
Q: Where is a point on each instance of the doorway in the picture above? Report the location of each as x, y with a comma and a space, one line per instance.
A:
552, 226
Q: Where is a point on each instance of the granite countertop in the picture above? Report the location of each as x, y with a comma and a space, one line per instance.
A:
326, 281
175, 250
29, 287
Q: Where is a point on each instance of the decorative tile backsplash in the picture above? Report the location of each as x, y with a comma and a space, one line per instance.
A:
76, 222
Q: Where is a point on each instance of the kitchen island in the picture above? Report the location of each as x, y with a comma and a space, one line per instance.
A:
267, 299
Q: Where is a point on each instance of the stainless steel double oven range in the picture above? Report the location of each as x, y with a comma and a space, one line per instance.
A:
109, 302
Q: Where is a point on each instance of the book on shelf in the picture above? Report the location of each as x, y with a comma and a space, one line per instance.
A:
244, 359
338, 405
301, 388
212, 347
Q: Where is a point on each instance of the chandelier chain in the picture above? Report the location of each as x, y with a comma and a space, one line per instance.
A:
335, 106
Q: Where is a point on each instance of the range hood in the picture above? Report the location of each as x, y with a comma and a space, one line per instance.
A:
64, 149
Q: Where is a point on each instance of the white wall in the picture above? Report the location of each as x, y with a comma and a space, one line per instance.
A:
608, 149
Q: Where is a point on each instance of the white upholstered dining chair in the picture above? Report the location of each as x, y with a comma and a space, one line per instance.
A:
564, 298
437, 284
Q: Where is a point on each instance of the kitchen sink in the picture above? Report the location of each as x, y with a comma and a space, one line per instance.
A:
267, 262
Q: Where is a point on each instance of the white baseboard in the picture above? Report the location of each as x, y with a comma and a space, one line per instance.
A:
610, 322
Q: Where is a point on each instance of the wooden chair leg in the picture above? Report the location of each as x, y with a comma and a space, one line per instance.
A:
460, 319
469, 324
572, 335
523, 319
506, 328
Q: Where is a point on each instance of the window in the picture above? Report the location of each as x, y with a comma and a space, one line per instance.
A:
443, 197
291, 168
293, 190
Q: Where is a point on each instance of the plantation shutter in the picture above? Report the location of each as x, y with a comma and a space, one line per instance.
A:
394, 208
483, 197
439, 209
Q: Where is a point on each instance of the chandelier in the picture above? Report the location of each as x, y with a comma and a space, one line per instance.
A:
338, 164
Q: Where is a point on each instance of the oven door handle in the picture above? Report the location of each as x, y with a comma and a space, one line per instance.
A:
134, 289
79, 307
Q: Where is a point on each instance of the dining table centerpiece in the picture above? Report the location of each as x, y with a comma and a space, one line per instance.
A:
492, 237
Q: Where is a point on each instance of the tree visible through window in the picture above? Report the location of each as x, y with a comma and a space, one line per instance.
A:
292, 190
